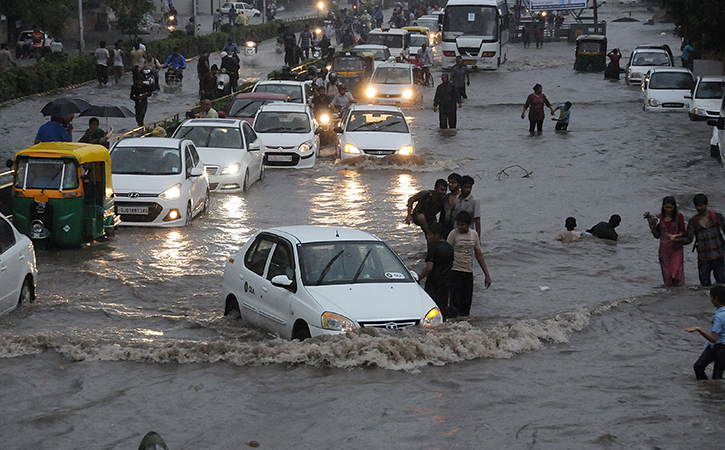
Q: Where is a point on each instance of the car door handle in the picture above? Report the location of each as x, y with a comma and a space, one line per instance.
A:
3, 268
21, 257
241, 276
264, 288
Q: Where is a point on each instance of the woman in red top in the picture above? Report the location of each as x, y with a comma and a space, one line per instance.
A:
612, 70
669, 223
536, 102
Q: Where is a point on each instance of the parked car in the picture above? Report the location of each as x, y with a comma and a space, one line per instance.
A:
717, 143
374, 131
289, 133
305, 281
705, 98
248, 9
245, 106
297, 91
643, 59
665, 89
18, 271
230, 150
25, 38
149, 25
159, 181
380, 53
394, 84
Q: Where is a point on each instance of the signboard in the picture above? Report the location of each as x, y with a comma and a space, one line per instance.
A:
554, 5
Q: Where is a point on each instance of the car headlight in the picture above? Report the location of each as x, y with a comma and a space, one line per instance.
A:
408, 93
406, 150
653, 102
325, 119
172, 192
433, 318
232, 169
370, 92
336, 322
306, 147
349, 148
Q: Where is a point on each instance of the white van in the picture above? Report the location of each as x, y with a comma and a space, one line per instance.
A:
396, 39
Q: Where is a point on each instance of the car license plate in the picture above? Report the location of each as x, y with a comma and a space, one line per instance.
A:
279, 158
139, 210
388, 102
469, 62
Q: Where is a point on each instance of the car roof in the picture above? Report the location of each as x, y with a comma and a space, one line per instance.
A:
395, 64
650, 49
670, 69
371, 46
288, 82
213, 122
305, 234
264, 95
702, 78
150, 142
390, 108
284, 107
388, 30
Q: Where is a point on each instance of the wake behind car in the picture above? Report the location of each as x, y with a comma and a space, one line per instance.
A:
18, 271
159, 181
289, 133
394, 84
305, 281
230, 150
378, 131
705, 98
665, 89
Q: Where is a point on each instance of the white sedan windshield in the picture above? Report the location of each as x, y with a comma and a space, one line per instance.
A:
282, 122
389, 122
392, 75
145, 161
210, 136
350, 262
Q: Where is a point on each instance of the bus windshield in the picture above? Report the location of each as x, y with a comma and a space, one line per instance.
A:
470, 20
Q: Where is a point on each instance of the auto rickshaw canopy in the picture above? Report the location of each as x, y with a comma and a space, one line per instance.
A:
591, 45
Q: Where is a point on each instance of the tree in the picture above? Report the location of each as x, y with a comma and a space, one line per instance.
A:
130, 13
51, 16
699, 23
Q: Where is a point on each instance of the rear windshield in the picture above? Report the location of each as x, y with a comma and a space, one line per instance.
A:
282, 122
710, 89
388, 40
145, 161
294, 92
670, 80
392, 75
215, 137
417, 40
347, 64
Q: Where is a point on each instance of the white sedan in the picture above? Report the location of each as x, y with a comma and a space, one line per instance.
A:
230, 150
158, 181
305, 281
377, 131
18, 272
289, 134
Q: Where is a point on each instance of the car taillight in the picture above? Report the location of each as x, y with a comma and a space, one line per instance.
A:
449, 53
488, 54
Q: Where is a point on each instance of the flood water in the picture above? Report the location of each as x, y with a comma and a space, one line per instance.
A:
574, 345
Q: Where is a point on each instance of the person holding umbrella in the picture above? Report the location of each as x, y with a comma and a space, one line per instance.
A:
53, 131
95, 135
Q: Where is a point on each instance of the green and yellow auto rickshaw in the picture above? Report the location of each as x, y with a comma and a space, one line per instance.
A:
591, 53
62, 193
354, 69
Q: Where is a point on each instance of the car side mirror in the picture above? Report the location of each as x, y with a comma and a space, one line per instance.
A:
318, 130
196, 172
254, 147
10, 163
281, 281
337, 129
414, 274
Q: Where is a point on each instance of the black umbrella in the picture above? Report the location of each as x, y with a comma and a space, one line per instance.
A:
64, 106
108, 111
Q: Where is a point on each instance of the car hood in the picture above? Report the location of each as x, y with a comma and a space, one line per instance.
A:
220, 156
670, 95
144, 184
710, 104
374, 301
274, 140
390, 89
377, 140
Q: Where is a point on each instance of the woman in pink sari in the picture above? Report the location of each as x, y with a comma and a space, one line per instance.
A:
669, 222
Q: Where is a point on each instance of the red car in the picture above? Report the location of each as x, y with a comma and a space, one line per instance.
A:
245, 106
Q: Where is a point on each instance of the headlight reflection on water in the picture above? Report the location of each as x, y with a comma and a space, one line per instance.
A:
402, 190
346, 205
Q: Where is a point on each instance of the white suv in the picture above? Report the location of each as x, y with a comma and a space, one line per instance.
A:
158, 181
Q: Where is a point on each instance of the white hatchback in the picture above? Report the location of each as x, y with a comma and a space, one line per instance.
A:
297, 91
374, 131
705, 98
158, 181
305, 281
643, 59
289, 133
230, 150
394, 84
665, 89
18, 272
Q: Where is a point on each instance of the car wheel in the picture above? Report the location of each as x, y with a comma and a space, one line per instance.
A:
691, 116
301, 332
27, 293
231, 308
261, 172
206, 201
245, 183
715, 151
189, 214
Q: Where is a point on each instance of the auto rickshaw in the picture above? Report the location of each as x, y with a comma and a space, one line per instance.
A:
590, 53
63, 194
354, 69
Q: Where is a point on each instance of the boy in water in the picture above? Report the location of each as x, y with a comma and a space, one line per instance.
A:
715, 348
465, 246
569, 235
438, 263
562, 122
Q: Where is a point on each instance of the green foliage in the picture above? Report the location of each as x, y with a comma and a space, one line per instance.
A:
129, 13
51, 16
699, 22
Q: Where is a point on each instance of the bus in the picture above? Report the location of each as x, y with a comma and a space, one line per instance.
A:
476, 30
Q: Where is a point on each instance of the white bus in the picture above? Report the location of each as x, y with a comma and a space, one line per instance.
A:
478, 31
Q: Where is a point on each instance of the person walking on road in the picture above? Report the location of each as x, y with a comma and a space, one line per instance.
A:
669, 222
459, 77
102, 57
139, 95
438, 263
118, 62
536, 102
715, 348
445, 101
706, 227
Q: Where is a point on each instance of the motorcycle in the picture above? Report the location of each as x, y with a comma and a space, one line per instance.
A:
174, 76
148, 79
327, 117
250, 48
223, 84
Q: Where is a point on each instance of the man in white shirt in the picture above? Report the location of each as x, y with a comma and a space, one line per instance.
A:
466, 202
102, 57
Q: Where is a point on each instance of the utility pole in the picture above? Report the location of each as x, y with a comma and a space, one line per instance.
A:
81, 44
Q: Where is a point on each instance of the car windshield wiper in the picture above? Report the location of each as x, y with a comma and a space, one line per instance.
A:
272, 130
327, 267
387, 124
366, 124
362, 264
299, 130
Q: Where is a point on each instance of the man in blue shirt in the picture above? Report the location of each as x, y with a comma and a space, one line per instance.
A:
686, 58
52, 131
176, 60
715, 348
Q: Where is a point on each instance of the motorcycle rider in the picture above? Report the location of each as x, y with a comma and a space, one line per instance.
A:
343, 99
425, 56
331, 89
378, 17
230, 64
178, 63
230, 46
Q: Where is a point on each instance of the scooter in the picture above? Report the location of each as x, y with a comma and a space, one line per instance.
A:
148, 79
173, 77
223, 83
250, 48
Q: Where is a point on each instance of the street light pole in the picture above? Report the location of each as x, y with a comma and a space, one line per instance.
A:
81, 44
